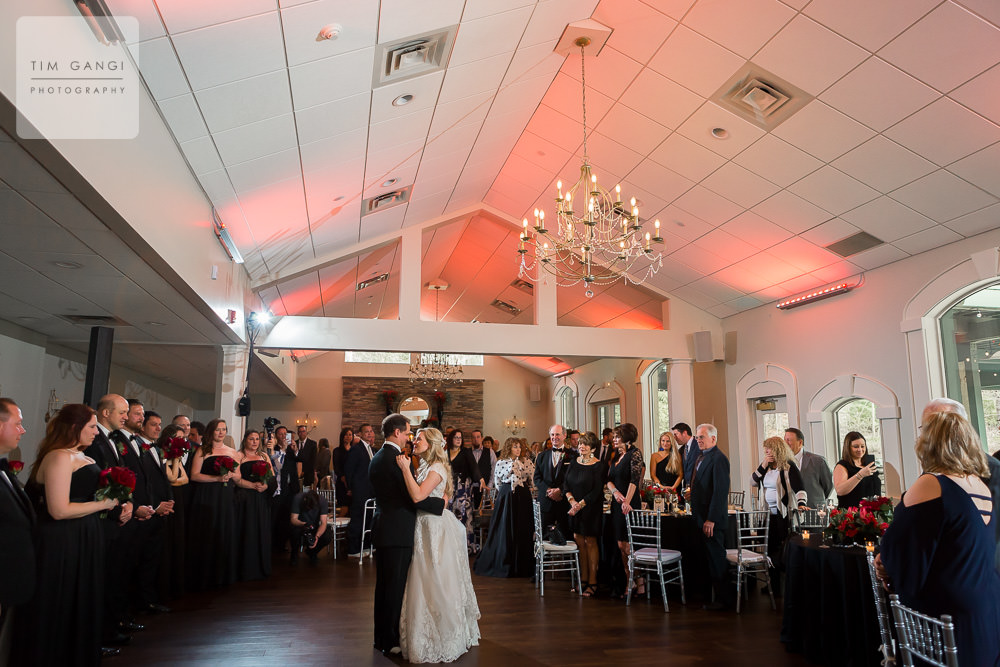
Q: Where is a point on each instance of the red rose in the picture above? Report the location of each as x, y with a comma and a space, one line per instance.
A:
15, 466
223, 465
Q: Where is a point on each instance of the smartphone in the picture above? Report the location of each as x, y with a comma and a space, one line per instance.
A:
867, 459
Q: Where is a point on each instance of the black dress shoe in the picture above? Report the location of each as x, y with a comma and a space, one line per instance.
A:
154, 608
109, 652
118, 639
131, 626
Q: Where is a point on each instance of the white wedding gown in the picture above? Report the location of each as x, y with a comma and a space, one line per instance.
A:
440, 612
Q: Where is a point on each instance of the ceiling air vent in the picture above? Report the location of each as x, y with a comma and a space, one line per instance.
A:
506, 307
385, 200
854, 244
96, 320
523, 285
412, 56
760, 97
381, 278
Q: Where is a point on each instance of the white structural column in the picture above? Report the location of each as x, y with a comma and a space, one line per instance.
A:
230, 381
546, 313
680, 391
410, 281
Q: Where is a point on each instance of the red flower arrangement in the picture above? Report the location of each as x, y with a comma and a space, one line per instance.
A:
865, 523
439, 397
223, 465
260, 472
117, 483
15, 467
176, 448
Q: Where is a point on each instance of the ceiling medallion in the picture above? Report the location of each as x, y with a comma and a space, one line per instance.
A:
600, 244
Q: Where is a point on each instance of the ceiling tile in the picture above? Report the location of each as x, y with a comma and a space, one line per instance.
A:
770, 266
477, 9
809, 56
698, 127
145, 11
255, 174
823, 131
802, 254
745, 281
661, 99
946, 48
301, 26
876, 257
482, 38
928, 239
202, 155
160, 69
707, 205
333, 151
980, 94
254, 140
631, 129
549, 19
883, 164
887, 219
180, 16
777, 160
480, 76
695, 297
424, 89
800, 285
967, 132
988, 9
183, 117
683, 224
564, 96
675, 9
247, 101
836, 271
976, 223
639, 28
830, 232
870, 24
687, 158
743, 27
531, 61
724, 310
981, 169
332, 78
756, 231
791, 212
392, 133
833, 190
878, 94
327, 120
740, 185
662, 182
942, 196
726, 245
611, 72
695, 62
231, 51
715, 289
542, 152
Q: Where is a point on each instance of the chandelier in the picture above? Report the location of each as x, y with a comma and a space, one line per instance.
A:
433, 367
598, 242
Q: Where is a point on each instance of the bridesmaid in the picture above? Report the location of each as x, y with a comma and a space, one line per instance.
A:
253, 513
211, 534
172, 567
62, 624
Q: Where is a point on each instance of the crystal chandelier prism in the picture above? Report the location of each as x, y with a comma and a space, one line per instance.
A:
434, 367
598, 239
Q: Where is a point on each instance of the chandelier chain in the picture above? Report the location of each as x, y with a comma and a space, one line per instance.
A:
583, 80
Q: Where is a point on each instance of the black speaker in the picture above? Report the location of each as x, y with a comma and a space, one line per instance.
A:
243, 406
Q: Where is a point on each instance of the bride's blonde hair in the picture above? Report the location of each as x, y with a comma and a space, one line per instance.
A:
435, 454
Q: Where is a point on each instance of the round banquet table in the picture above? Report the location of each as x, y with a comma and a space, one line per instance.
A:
829, 610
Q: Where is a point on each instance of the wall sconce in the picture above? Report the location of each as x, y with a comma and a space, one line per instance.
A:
515, 425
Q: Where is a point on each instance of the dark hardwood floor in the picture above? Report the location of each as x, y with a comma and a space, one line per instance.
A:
322, 615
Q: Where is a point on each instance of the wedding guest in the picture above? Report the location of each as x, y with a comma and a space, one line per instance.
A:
253, 510
159, 496
486, 459
359, 490
709, 496
509, 548
550, 476
814, 470
172, 568
324, 458
585, 493
853, 477
211, 534
784, 493
938, 552
465, 472
624, 481
62, 623
339, 460
310, 513
286, 469
688, 447
665, 467
17, 527
307, 455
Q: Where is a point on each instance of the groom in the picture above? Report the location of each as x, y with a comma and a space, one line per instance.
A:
392, 534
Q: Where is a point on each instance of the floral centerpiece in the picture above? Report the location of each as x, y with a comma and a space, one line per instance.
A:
862, 524
176, 448
654, 494
118, 483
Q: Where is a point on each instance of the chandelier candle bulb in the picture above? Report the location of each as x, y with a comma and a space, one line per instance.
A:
618, 193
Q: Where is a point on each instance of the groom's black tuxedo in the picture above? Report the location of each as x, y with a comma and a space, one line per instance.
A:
392, 536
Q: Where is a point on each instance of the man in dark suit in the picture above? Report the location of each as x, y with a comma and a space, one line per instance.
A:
158, 495
606, 451
486, 458
710, 507
359, 489
288, 487
816, 476
688, 447
395, 522
550, 474
308, 450
17, 527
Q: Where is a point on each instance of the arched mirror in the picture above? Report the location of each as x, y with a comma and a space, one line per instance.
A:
415, 409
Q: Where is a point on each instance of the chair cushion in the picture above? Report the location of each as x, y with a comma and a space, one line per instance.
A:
566, 548
339, 522
649, 555
732, 555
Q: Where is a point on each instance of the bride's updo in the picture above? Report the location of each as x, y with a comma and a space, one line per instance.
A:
435, 454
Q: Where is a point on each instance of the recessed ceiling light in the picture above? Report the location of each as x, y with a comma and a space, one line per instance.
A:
678, 223
387, 183
156, 324
340, 198
720, 133
68, 265
402, 100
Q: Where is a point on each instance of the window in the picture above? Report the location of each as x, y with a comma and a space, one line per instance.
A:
859, 415
609, 415
658, 401
454, 359
354, 357
566, 407
775, 424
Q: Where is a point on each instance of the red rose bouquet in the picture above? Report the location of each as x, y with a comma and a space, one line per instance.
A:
176, 448
15, 467
260, 472
117, 483
865, 523
223, 465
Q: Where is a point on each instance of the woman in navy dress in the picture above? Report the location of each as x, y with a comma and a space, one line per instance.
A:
509, 548
938, 552
211, 535
253, 512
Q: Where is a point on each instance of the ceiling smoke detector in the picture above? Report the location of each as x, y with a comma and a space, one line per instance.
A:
331, 31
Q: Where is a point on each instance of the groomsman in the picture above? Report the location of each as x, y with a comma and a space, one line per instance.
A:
17, 527
159, 495
308, 450
550, 474
359, 489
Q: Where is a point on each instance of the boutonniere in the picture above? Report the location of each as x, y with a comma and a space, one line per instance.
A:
122, 449
146, 446
15, 467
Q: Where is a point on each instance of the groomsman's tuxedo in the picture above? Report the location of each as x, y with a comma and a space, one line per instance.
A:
308, 450
392, 536
152, 547
17, 550
358, 483
551, 474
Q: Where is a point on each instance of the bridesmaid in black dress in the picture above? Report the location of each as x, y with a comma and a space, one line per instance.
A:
211, 535
253, 512
509, 547
584, 489
624, 478
172, 565
62, 623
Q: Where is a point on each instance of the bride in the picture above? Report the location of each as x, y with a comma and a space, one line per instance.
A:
440, 614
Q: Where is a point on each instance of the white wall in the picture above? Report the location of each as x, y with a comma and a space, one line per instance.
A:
855, 333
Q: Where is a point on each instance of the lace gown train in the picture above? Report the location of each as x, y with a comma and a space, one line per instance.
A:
440, 618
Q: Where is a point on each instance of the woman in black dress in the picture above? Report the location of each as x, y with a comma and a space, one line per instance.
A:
624, 478
253, 511
464, 471
211, 535
584, 488
853, 478
509, 548
61, 625
339, 459
665, 465
172, 566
